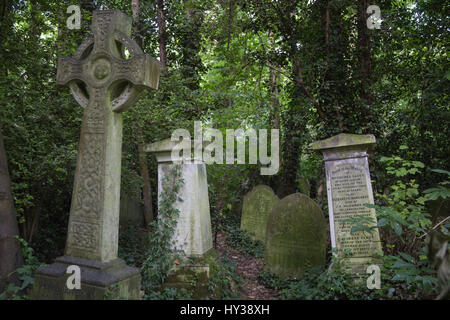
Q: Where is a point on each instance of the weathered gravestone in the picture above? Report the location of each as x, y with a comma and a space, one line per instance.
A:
256, 209
303, 185
193, 232
104, 83
131, 212
348, 189
296, 236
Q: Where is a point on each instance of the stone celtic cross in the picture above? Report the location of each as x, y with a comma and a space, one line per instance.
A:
104, 82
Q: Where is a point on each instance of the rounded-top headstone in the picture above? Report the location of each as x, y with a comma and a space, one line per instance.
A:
256, 209
303, 185
296, 236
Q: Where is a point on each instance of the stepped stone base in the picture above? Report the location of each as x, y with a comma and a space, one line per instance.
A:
193, 275
99, 280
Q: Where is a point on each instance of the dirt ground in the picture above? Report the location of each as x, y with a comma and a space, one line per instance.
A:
248, 268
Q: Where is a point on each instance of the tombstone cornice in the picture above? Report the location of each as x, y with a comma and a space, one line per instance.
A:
344, 140
344, 146
163, 151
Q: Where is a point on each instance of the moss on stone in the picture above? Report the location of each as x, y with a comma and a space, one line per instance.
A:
193, 275
256, 210
343, 140
296, 236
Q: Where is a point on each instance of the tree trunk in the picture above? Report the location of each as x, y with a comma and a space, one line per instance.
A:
292, 139
230, 22
364, 64
190, 43
137, 30
275, 95
147, 188
364, 47
326, 26
162, 35
10, 251
34, 225
30, 225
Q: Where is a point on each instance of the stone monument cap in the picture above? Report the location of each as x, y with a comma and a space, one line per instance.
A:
161, 146
343, 140
163, 149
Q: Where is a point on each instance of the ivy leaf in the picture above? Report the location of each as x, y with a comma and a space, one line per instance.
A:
399, 277
441, 171
27, 280
418, 164
401, 172
382, 222
402, 264
407, 257
397, 228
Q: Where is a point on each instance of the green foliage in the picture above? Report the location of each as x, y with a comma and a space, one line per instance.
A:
361, 223
26, 275
225, 192
160, 255
404, 215
223, 282
237, 238
413, 272
402, 277
113, 292
133, 245
440, 191
243, 242
405, 208
336, 284
272, 280
169, 294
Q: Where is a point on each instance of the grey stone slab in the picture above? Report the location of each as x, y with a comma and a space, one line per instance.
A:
296, 236
348, 189
193, 233
256, 209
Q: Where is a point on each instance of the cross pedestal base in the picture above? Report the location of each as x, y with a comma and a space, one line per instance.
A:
99, 280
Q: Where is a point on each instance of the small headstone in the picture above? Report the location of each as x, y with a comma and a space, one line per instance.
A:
296, 236
104, 83
348, 189
256, 209
131, 212
303, 185
193, 232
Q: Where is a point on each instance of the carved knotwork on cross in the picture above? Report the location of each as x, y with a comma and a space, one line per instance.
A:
104, 82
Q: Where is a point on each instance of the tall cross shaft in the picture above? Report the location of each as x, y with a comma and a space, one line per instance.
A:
105, 83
